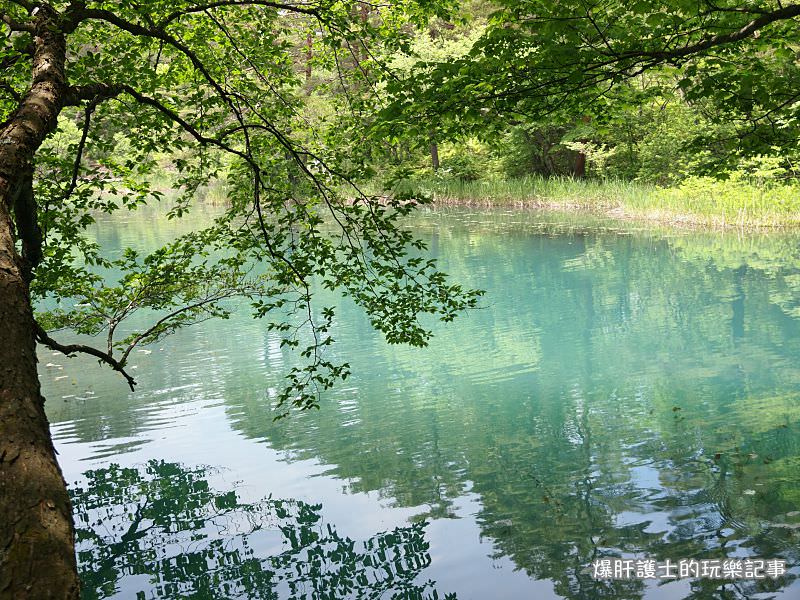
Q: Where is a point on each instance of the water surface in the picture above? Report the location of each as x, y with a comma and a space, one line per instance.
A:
619, 393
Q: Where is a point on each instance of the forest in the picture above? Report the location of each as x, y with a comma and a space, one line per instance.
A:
318, 167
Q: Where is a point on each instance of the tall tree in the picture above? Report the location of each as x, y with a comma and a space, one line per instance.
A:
205, 83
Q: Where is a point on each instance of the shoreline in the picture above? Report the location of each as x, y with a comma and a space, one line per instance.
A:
655, 217
697, 202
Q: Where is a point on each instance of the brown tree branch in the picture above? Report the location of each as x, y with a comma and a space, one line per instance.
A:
15, 25
72, 349
222, 295
782, 14
158, 34
301, 9
76, 167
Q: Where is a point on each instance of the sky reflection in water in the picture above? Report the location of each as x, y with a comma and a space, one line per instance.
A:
618, 394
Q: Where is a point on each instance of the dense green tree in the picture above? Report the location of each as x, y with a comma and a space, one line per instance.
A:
544, 57
731, 65
207, 85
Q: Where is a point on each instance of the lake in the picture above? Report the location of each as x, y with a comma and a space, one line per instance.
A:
619, 393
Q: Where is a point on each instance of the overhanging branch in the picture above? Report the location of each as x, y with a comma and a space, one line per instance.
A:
782, 14
76, 167
301, 9
15, 25
71, 349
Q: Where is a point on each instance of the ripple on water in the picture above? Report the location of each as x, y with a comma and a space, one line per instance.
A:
623, 394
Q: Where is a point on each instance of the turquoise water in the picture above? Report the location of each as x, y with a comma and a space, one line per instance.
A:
619, 393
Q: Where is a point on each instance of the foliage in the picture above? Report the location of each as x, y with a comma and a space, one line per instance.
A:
741, 200
531, 190
737, 201
667, 90
208, 93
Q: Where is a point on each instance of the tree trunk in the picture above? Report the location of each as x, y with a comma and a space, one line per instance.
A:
579, 169
37, 554
435, 156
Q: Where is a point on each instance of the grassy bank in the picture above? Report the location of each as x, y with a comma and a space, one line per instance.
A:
698, 201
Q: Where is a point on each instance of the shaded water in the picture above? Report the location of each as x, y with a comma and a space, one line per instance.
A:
619, 394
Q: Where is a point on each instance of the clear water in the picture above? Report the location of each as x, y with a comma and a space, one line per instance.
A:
619, 393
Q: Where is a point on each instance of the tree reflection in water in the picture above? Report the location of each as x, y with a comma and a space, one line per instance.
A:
161, 530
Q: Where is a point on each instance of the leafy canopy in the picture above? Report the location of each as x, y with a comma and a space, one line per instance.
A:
561, 61
212, 90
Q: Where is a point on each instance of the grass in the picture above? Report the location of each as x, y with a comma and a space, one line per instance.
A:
738, 202
697, 201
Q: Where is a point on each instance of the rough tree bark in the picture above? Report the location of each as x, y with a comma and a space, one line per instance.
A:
37, 556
